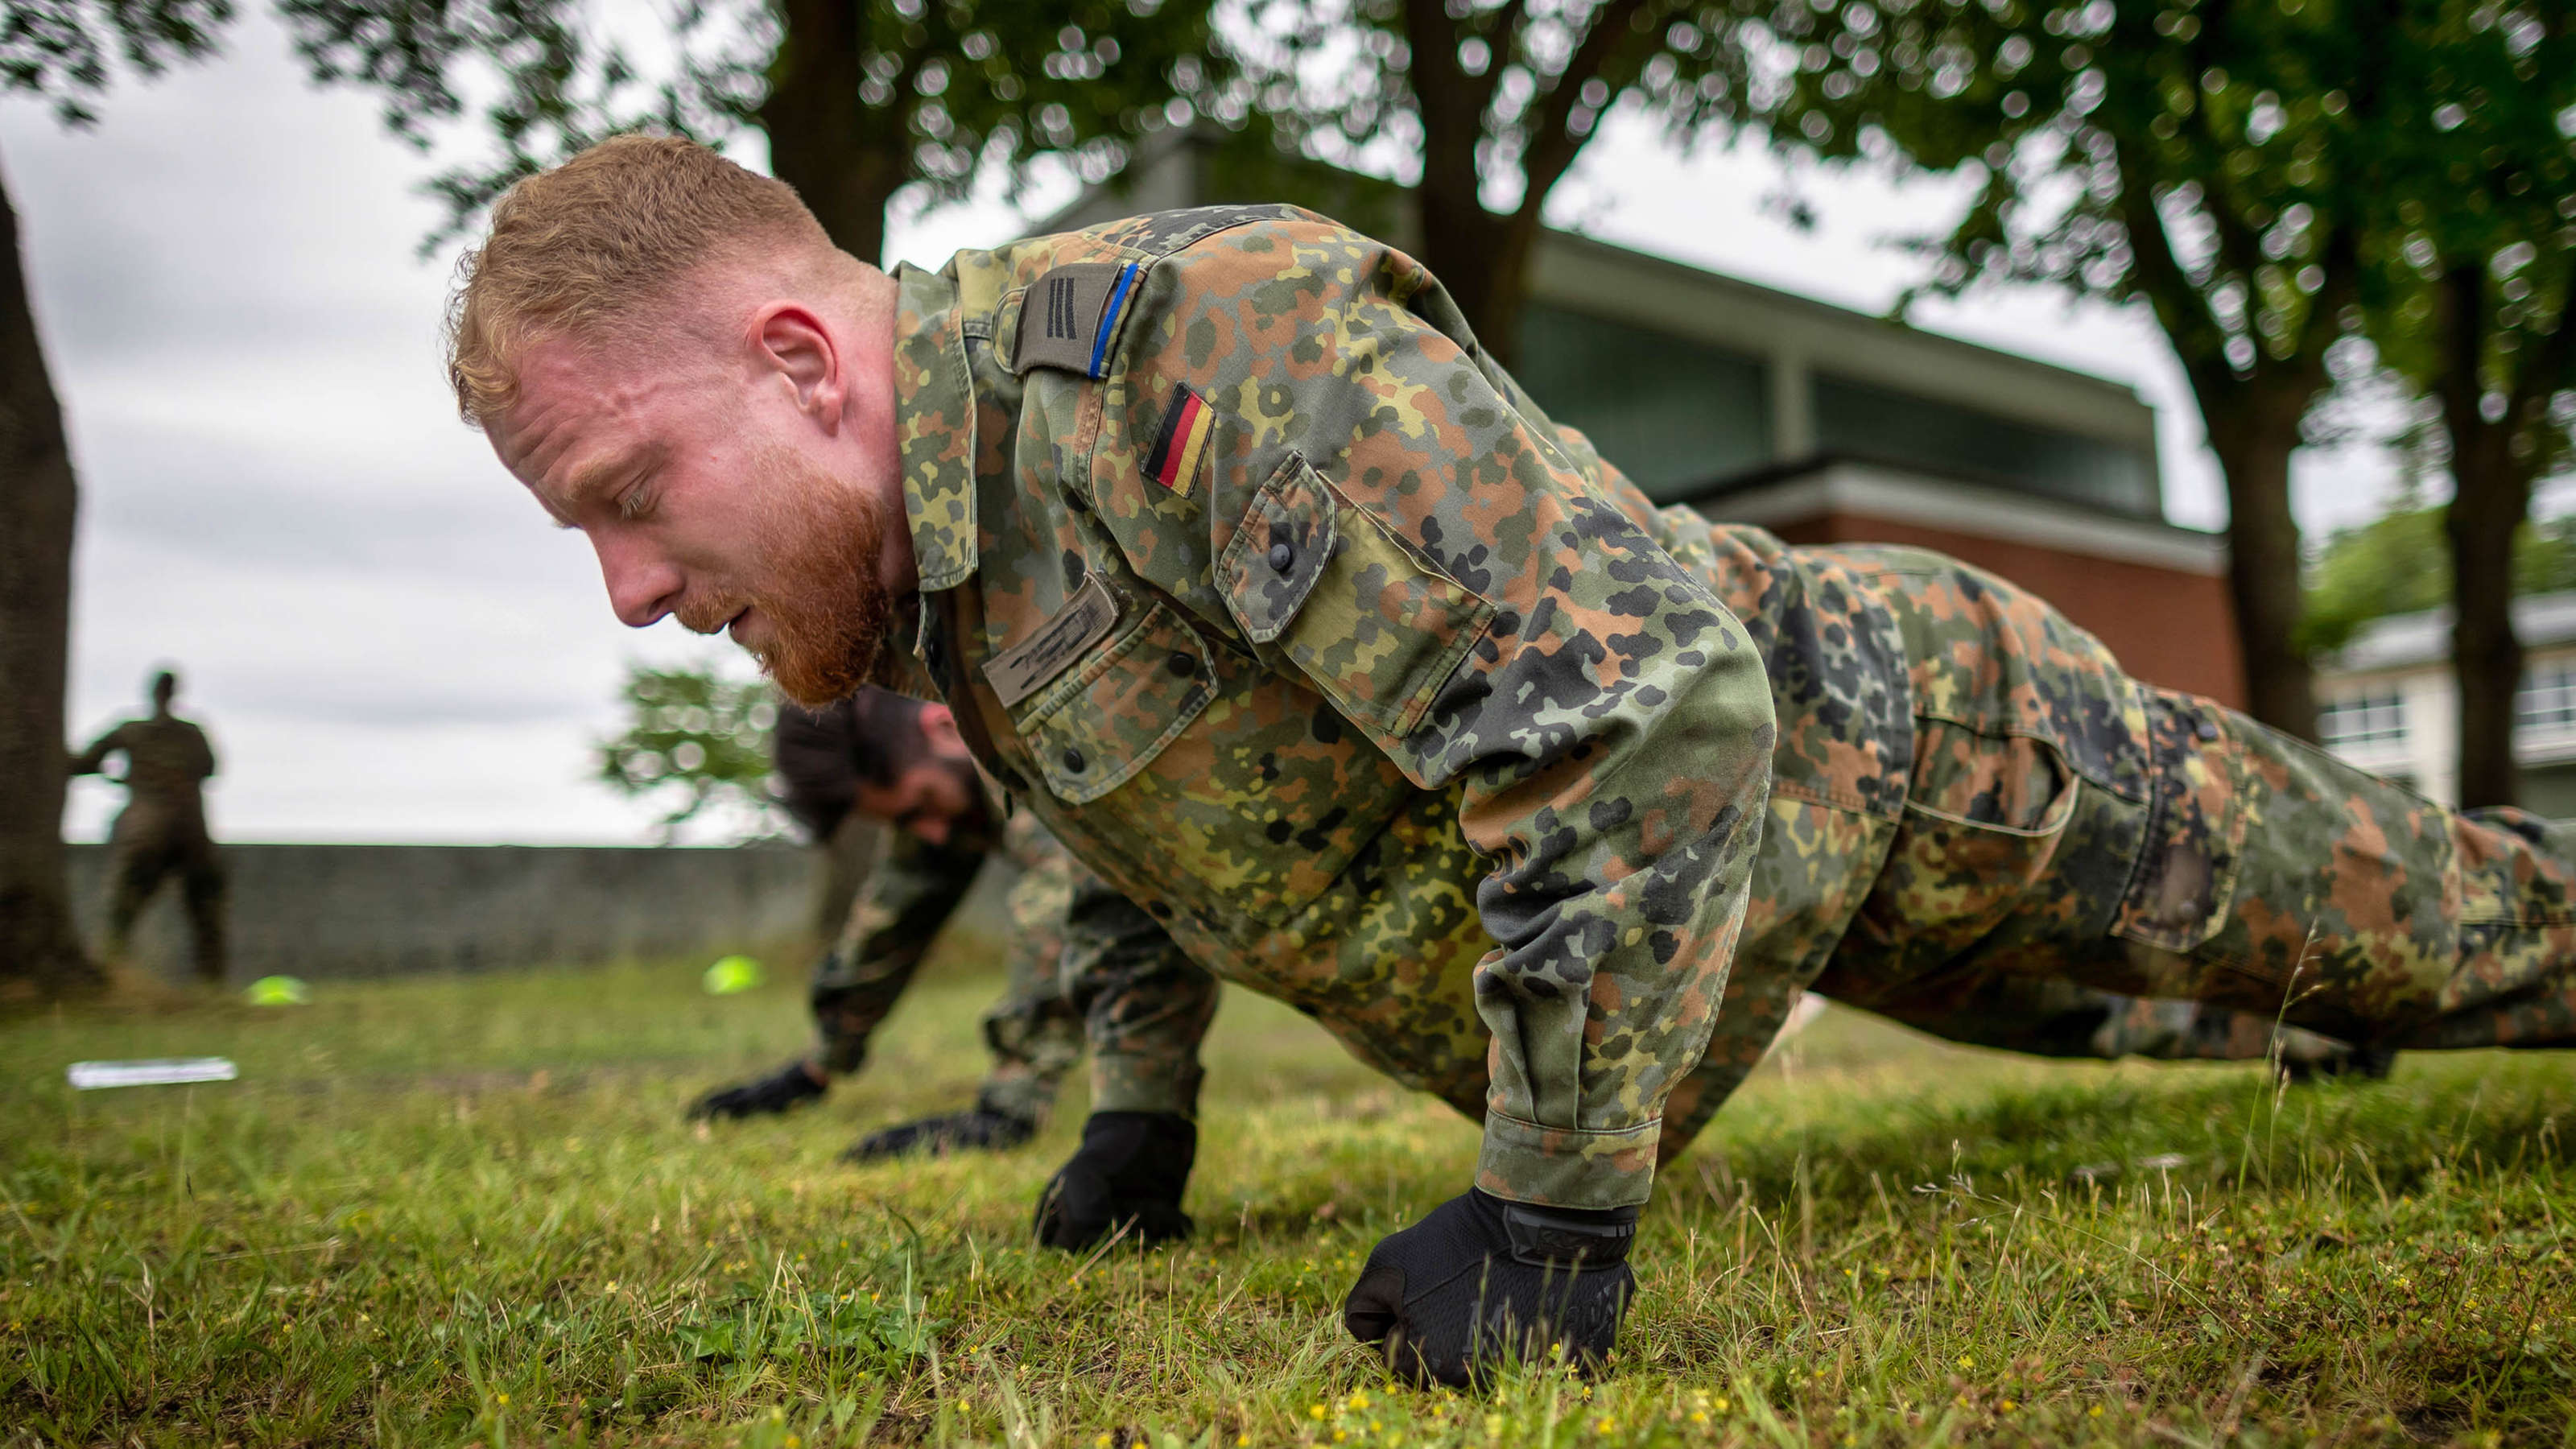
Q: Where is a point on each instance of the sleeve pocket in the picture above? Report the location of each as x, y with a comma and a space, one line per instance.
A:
1374, 626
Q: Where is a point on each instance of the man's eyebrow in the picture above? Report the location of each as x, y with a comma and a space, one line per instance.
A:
596, 477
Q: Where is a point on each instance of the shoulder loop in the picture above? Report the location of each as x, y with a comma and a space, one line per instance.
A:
1161, 233
1070, 315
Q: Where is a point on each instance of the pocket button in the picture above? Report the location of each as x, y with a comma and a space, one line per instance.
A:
1282, 558
1182, 663
1073, 759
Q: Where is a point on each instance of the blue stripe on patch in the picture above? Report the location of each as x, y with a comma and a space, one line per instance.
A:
1109, 316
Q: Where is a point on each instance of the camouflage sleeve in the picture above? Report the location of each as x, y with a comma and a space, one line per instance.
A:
1381, 519
907, 898
1145, 1005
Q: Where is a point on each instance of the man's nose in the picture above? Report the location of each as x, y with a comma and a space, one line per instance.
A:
642, 585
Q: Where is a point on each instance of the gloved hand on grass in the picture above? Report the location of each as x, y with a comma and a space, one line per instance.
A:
792, 1085
1481, 1281
1131, 1170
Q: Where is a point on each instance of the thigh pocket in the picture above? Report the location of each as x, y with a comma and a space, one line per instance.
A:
2185, 881
1983, 823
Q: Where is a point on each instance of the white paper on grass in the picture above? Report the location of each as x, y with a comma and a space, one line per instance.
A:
158, 1072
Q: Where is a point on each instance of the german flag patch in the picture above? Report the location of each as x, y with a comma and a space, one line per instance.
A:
1181, 441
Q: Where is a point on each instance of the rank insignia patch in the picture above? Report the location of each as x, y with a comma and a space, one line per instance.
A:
1070, 314
1181, 441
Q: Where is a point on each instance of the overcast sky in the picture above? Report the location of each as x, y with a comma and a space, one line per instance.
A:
385, 639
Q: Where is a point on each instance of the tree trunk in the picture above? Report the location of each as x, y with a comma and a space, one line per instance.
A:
1460, 238
845, 159
2486, 657
2254, 428
39, 952
1483, 260
2491, 494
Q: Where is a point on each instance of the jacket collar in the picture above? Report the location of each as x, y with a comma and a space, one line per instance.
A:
934, 417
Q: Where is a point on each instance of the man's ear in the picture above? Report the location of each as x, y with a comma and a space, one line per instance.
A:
794, 344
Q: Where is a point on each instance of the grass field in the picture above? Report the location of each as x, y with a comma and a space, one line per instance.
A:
466, 1210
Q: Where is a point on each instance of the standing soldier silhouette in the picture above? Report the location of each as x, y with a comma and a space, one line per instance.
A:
163, 826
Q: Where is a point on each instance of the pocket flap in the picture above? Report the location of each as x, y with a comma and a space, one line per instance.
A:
1278, 552
1363, 616
1116, 709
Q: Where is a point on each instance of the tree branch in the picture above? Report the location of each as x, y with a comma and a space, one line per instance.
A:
1552, 146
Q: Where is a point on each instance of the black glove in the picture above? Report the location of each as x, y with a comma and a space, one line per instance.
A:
978, 1129
1480, 1280
790, 1086
1131, 1169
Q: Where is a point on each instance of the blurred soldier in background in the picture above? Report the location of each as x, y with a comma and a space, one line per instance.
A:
162, 828
885, 758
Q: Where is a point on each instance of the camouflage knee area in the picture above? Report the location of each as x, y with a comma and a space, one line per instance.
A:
2291, 882
1035, 1042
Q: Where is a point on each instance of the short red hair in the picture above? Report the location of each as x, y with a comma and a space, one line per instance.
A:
595, 246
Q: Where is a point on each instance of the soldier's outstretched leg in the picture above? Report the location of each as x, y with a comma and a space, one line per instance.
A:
2277, 873
2063, 1019
201, 875
2065, 821
135, 865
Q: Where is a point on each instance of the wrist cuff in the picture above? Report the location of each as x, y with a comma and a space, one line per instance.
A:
1121, 1083
1567, 1167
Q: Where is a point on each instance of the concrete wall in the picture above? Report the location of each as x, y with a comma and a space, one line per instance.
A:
377, 910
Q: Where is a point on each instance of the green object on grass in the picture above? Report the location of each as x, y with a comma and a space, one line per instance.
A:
732, 974
278, 991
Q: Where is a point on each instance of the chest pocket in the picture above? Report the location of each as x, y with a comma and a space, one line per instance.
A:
1112, 713
1376, 628
1220, 783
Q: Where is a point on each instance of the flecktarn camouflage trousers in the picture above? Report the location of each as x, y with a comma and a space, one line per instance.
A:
2069, 829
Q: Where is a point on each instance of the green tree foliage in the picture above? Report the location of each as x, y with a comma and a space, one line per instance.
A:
2472, 302
2400, 563
2211, 160
1494, 102
857, 101
696, 743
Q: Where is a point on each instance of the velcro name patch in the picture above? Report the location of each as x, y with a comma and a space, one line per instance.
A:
1070, 314
1181, 441
1086, 618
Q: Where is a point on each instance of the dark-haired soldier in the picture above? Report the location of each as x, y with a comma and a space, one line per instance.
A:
162, 829
896, 760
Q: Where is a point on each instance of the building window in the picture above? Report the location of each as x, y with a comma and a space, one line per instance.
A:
1896, 427
1675, 415
2546, 703
2363, 719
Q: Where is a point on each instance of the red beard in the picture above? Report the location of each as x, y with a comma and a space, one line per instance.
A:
821, 552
